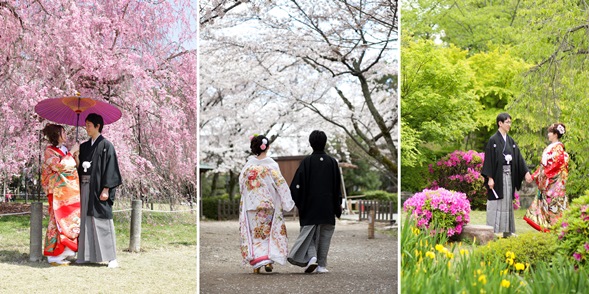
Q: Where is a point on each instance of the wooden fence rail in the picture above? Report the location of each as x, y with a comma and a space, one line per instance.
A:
384, 210
228, 209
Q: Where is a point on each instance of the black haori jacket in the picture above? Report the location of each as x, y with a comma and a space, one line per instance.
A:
316, 189
104, 173
494, 161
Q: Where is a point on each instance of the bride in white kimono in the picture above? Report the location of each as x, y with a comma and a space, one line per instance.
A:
264, 195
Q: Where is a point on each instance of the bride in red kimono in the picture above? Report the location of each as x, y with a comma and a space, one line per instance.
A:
551, 177
60, 182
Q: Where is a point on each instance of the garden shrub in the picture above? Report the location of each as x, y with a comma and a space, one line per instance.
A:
446, 211
210, 204
380, 195
414, 178
384, 196
573, 230
528, 248
461, 171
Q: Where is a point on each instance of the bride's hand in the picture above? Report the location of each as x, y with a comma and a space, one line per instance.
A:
75, 148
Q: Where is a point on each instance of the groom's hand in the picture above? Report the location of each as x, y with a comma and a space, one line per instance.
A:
529, 178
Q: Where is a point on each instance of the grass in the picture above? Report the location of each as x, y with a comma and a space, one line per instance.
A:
166, 263
479, 217
158, 230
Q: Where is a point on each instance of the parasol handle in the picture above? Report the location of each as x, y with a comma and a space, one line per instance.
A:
77, 123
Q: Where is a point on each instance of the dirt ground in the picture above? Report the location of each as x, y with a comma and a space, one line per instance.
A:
356, 264
156, 271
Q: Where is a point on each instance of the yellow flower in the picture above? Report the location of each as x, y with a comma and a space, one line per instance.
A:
483, 279
449, 264
510, 254
505, 283
430, 254
463, 252
509, 260
450, 255
479, 272
440, 248
503, 273
520, 266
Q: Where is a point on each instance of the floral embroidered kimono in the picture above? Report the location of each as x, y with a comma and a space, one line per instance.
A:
264, 195
551, 178
60, 182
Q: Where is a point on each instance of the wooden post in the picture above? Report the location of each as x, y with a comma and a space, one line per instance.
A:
36, 229
371, 216
135, 238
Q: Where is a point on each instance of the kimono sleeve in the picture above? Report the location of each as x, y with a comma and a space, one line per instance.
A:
337, 199
283, 190
53, 161
489, 160
522, 169
297, 185
489, 168
556, 162
111, 176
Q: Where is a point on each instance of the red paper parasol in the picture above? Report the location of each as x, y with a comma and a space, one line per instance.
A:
74, 110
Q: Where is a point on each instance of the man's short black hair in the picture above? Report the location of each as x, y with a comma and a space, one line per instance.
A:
318, 139
96, 119
502, 117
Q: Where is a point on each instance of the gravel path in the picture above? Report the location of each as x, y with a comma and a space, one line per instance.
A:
356, 264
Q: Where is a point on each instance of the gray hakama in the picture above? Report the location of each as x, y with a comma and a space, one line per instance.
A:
313, 241
96, 242
500, 212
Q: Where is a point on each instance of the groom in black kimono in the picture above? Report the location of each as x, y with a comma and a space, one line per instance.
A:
504, 169
98, 168
316, 191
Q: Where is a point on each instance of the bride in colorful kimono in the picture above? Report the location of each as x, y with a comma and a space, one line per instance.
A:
264, 195
59, 180
551, 177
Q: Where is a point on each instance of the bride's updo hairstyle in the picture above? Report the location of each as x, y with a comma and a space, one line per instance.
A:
558, 129
259, 144
52, 133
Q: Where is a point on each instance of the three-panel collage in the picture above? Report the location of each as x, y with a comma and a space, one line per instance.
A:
294, 146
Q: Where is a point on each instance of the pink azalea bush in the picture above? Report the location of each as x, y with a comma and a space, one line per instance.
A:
448, 211
573, 230
516, 203
461, 171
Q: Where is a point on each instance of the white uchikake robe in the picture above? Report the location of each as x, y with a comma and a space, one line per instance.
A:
264, 195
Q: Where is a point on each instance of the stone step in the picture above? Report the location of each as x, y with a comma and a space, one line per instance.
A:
482, 233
